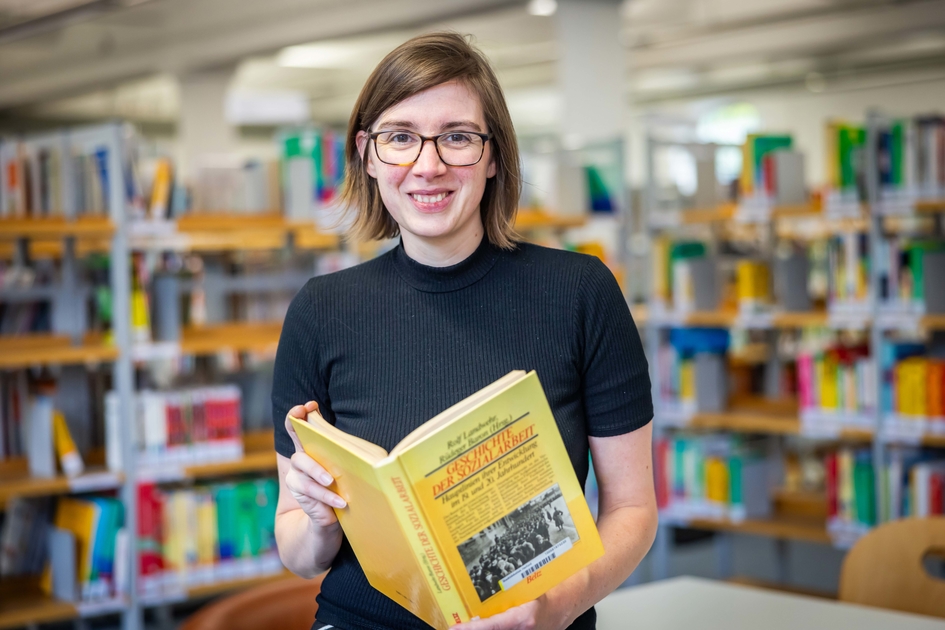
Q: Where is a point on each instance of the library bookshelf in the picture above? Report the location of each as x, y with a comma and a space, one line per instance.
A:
760, 226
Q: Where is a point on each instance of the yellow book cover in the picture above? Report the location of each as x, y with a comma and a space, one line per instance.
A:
161, 189
747, 178
829, 396
81, 518
687, 380
845, 493
476, 511
206, 528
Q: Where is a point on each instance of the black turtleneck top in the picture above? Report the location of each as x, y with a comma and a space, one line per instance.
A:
386, 345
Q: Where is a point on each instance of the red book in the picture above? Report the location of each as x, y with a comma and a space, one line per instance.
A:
830, 481
936, 487
150, 522
659, 474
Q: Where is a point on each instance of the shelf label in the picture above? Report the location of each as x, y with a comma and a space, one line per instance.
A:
90, 482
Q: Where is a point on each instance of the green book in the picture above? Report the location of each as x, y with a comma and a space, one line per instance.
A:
917, 251
735, 494
763, 145
225, 497
267, 495
864, 489
247, 530
851, 140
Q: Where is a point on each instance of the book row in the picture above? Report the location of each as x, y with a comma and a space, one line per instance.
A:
181, 427
206, 534
52, 176
716, 477
77, 544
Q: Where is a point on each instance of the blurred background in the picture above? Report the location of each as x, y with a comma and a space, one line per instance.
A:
766, 180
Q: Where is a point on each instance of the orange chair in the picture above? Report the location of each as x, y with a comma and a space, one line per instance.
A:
287, 604
885, 568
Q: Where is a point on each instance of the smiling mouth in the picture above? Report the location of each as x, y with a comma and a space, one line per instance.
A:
431, 198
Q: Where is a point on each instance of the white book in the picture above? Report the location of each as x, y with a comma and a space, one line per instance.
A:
40, 450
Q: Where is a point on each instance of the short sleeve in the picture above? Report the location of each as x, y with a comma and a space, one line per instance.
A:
295, 373
617, 395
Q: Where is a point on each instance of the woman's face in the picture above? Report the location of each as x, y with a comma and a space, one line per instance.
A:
435, 205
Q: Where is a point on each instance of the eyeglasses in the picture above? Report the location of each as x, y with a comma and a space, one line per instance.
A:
455, 148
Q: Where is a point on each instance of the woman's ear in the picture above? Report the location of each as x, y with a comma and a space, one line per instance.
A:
491, 168
362, 140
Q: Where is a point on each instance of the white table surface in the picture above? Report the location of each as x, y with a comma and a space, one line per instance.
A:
688, 603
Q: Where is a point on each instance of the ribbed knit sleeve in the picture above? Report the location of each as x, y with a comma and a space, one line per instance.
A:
295, 372
617, 397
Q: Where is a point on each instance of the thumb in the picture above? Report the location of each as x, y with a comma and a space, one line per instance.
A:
300, 412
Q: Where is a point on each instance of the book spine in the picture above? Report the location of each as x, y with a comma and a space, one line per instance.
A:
416, 530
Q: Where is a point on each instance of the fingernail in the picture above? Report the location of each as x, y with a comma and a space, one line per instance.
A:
326, 479
338, 503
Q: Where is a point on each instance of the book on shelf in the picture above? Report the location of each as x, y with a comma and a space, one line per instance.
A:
23, 549
93, 524
693, 372
914, 483
722, 477
179, 428
833, 377
911, 158
190, 537
313, 163
913, 387
454, 496
850, 488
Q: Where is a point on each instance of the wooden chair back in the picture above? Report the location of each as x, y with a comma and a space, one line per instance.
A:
287, 604
885, 567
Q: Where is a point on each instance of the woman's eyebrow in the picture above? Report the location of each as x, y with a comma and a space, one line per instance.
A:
406, 124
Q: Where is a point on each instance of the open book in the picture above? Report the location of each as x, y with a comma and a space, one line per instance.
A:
474, 512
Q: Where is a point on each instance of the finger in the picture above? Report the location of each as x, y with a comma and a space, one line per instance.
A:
313, 469
295, 412
301, 484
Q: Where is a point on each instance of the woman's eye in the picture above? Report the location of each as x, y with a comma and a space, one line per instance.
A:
401, 138
458, 138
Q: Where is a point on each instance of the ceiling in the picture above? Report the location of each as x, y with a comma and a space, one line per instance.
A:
122, 57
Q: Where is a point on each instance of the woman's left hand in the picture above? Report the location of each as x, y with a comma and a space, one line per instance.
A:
532, 615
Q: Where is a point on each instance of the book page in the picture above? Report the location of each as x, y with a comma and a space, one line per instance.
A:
501, 497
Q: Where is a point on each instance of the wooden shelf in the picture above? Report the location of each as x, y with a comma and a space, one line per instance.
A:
307, 237
55, 227
747, 422
930, 207
537, 219
785, 528
801, 319
209, 590
259, 456
44, 349
251, 463
23, 603
238, 337
933, 322
801, 211
707, 215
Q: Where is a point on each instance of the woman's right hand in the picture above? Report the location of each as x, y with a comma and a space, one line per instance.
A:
307, 480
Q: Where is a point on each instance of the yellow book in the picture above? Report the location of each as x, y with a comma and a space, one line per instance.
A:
161, 189
69, 457
829, 394
429, 521
747, 178
81, 518
207, 542
687, 380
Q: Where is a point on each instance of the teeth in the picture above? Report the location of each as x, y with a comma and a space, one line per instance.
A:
430, 198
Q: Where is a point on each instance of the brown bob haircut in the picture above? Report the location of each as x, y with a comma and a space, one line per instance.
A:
417, 65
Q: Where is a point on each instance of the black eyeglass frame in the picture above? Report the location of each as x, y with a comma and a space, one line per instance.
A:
423, 139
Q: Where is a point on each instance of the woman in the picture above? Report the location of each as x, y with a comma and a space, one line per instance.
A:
384, 346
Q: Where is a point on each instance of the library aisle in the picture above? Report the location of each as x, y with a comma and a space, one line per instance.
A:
765, 183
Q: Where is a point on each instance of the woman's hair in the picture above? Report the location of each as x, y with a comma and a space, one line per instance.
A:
417, 65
